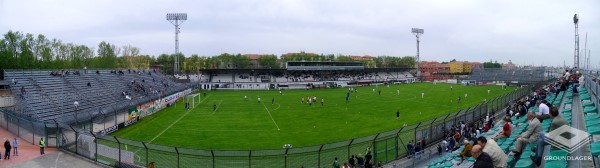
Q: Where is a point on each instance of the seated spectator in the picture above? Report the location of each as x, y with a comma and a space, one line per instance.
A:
482, 159
466, 152
499, 158
557, 122
544, 110
89, 84
506, 130
451, 144
528, 137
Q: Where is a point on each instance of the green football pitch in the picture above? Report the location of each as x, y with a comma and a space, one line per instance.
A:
239, 124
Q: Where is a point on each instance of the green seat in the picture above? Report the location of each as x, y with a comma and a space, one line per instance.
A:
556, 164
585, 97
567, 110
448, 164
510, 160
558, 153
594, 130
471, 159
568, 101
595, 148
592, 122
524, 163
590, 110
588, 104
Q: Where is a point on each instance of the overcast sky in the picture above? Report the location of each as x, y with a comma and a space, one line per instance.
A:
524, 31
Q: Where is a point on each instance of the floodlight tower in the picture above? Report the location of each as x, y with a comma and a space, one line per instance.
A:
576, 57
417, 32
176, 19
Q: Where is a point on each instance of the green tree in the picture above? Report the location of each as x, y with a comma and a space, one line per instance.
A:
268, 61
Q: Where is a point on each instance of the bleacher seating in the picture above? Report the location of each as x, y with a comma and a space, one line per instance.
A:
49, 97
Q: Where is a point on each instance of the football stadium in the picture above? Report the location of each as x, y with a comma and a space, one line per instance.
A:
78, 103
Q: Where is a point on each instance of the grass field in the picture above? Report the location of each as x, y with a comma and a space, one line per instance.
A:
241, 125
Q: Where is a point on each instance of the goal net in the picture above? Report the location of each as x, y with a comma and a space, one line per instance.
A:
193, 99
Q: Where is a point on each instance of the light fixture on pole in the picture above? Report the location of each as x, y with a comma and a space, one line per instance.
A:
176, 19
417, 32
576, 57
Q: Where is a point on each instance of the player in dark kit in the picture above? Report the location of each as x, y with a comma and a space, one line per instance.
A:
397, 114
214, 107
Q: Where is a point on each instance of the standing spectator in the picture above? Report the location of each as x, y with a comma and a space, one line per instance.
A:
418, 151
42, 146
360, 161
335, 163
439, 149
151, 165
423, 143
368, 160
351, 161
7, 150
15, 147
409, 147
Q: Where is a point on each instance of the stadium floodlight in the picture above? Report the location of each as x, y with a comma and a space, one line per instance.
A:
176, 19
417, 32
576, 55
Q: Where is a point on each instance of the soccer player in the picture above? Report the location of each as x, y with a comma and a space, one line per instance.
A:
488, 91
422, 94
272, 101
245, 98
214, 107
450, 88
398, 92
465, 95
258, 99
373, 90
347, 96
322, 101
379, 92
302, 102
280, 93
397, 114
458, 99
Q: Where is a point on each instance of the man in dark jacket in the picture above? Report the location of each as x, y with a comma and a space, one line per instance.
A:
482, 159
7, 149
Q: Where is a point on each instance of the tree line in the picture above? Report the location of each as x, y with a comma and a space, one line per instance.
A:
20, 50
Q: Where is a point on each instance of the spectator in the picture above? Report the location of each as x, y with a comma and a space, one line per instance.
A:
557, 122
451, 144
335, 163
89, 84
361, 161
423, 143
482, 159
466, 152
7, 150
506, 130
418, 151
42, 144
439, 149
528, 137
368, 160
15, 145
410, 147
544, 110
490, 147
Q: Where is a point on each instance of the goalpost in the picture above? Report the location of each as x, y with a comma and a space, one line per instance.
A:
193, 98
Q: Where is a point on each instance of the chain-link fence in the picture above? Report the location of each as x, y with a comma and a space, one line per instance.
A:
28, 130
385, 146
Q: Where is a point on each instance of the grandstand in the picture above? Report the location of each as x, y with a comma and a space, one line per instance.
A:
51, 95
520, 75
